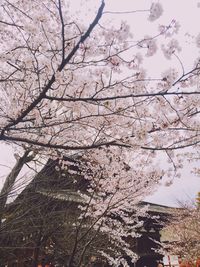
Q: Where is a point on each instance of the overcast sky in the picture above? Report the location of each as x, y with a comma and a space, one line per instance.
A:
187, 13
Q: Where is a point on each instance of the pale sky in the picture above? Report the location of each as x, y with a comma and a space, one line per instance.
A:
187, 13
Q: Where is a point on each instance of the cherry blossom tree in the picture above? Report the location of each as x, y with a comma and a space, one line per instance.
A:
81, 90
185, 229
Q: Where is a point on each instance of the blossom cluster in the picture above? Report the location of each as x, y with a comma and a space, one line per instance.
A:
83, 90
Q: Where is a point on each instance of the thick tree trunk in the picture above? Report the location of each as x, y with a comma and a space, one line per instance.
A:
10, 180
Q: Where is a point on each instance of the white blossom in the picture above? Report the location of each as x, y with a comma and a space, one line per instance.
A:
171, 29
169, 77
198, 40
171, 48
156, 11
150, 45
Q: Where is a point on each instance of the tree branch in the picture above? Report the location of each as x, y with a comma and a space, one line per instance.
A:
10, 180
60, 68
64, 147
99, 99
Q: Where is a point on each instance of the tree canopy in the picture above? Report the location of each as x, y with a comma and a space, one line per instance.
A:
75, 89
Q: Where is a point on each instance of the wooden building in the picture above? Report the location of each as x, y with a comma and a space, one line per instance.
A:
38, 224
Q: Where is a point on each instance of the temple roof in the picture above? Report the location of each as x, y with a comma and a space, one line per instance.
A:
70, 195
156, 208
